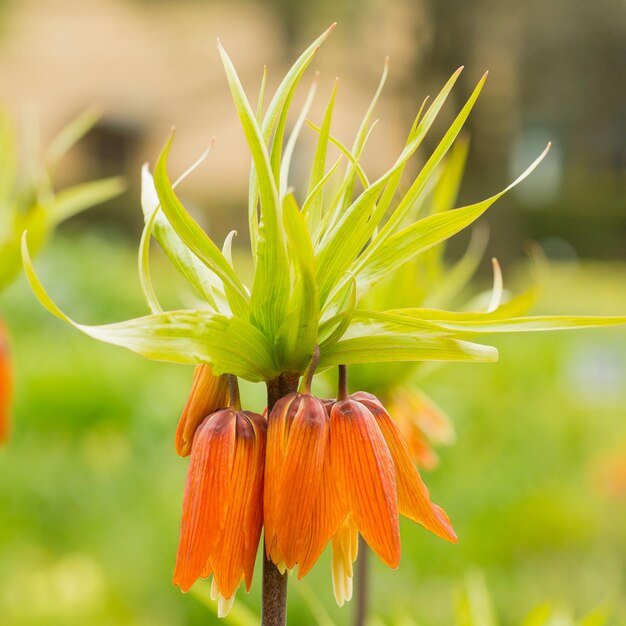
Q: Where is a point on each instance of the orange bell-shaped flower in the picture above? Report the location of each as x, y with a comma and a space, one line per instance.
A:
6, 385
413, 497
208, 393
223, 504
377, 481
301, 508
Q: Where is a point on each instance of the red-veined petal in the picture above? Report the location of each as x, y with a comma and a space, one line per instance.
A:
365, 475
206, 496
236, 549
413, 498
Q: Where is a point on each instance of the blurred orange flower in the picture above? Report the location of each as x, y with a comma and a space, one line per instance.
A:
422, 423
6, 385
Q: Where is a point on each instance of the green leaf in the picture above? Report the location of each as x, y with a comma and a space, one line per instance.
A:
537, 323
270, 291
362, 132
293, 137
455, 279
420, 183
447, 188
391, 347
397, 322
185, 261
144, 265
298, 334
230, 345
70, 135
253, 191
340, 201
358, 170
278, 103
196, 239
356, 225
338, 315
317, 190
314, 211
422, 235
73, 200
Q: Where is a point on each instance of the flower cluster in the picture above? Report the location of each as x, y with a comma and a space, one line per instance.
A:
314, 472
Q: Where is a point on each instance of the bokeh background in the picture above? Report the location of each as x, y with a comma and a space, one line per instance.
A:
90, 487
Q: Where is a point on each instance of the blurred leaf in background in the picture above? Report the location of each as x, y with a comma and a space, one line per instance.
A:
28, 201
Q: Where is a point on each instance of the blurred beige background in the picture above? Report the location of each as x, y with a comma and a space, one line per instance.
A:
556, 73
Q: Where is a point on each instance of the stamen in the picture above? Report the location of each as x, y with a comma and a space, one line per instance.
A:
224, 605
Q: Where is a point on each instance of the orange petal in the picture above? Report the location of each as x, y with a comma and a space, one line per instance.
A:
277, 432
328, 513
365, 475
6, 386
300, 477
253, 522
235, 552
208, 393
413, 497
206, 496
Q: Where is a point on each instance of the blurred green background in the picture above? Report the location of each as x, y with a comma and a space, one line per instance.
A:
90, 486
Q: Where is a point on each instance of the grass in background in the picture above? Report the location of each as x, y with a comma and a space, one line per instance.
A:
90, 492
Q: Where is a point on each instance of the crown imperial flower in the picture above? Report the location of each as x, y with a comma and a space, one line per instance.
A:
223, 503
333, 470
301, 508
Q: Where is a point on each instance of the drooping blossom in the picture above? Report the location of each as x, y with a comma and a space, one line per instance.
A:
223, 504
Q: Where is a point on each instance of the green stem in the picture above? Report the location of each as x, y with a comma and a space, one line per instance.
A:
307, 378
274, 594
342, 383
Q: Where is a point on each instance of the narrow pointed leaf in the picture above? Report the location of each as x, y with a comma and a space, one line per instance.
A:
300, 329
70, 135
293, 137
423, 234
230, 345
185, 261
73, 200
196, 239
392, 347
314, 213
268, 302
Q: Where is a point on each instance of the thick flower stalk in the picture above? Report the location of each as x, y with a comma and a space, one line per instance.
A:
315, 258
